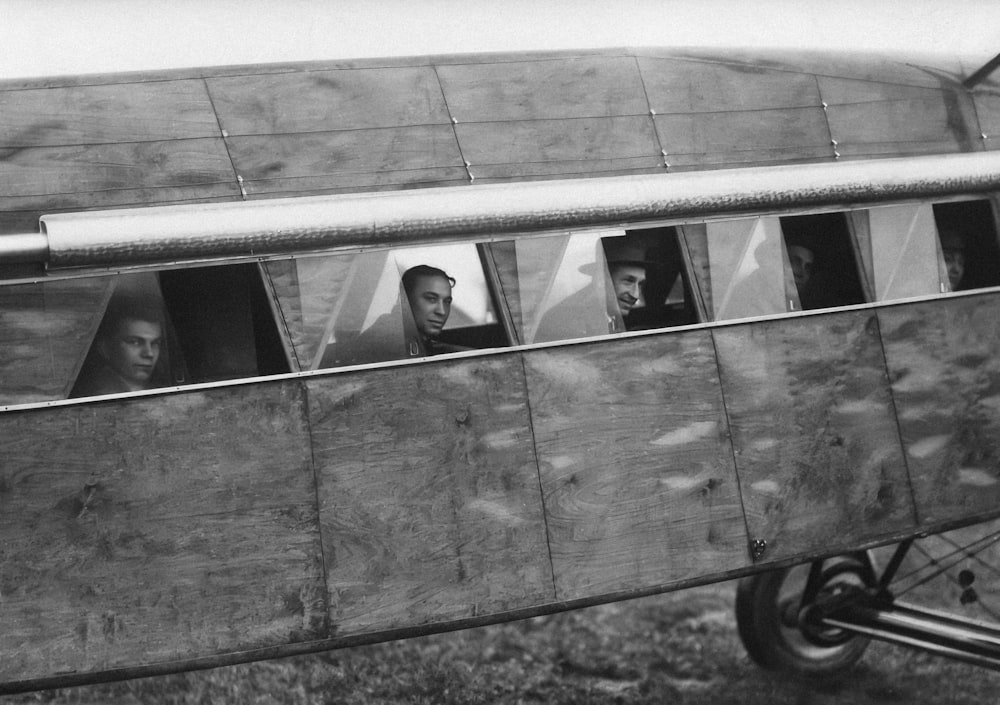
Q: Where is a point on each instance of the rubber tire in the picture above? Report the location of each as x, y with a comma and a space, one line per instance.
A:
778, 647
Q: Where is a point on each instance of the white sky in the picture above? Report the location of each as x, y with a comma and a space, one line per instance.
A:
53, 37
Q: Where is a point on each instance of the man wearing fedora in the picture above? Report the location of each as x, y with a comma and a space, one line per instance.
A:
596, 309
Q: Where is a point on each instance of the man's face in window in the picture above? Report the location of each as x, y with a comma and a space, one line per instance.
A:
954, 260
801, 259
627, 280
133, 351
430, 302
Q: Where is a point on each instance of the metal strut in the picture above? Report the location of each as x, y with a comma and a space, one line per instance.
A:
943, 634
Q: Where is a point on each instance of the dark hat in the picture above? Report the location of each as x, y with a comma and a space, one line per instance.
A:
951, 239
620, 251
808, 241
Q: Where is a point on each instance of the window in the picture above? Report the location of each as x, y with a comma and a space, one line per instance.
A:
769, 265
88, 336
183, 326
580, 285
386, 305
967, 237
928, 249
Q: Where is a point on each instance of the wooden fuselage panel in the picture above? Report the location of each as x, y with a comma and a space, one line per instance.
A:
232, 522
248, 517
189, 136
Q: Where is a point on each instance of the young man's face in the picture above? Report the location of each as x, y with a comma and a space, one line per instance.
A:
430, 302
133, 351
801, 259
627, 280
955, 262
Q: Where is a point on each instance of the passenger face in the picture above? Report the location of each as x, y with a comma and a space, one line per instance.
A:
955, 262
801, 259
627, 280
134, 350
430, 302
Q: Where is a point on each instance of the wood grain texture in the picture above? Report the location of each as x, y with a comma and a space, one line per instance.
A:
744, 138
678, 86
927, 70
636, 464
106, 175
942, 358
710, 114
554, 89
312, 101
879, 119
45, 333
348, 161
559, 147
126, 112
817, 448
430, 508
106, 145
157, 529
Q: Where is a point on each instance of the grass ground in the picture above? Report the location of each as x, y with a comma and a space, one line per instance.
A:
676, 648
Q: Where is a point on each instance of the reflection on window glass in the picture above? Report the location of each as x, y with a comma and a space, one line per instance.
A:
970, 257
45, 332
764, 266
579, 285
377, 306
903, 252
747, 275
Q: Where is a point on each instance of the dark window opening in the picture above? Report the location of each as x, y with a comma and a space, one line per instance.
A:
223, 324
822, 260
667, 290
968, 238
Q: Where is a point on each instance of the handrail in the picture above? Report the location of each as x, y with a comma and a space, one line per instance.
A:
292, 225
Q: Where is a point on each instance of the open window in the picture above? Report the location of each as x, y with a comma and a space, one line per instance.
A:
769, 265
586, 284
967, 239
356, 308
927, 249
181, 326
822, 257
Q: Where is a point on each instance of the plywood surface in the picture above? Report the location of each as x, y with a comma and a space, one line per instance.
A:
636, 465
558, 148
878, 119
124, 112
942, 359
363, 159
814, 431
316, 101
335, 127
157, 529
544, 90
429, 497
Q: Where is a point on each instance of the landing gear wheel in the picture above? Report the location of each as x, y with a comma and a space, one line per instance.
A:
774, 623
